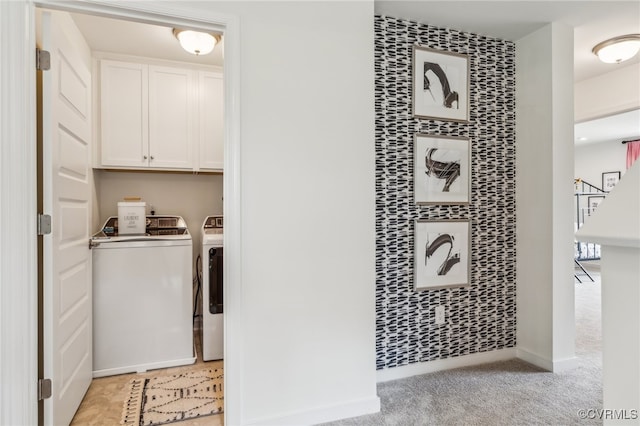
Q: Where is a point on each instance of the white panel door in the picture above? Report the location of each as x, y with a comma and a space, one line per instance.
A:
171, 117
67, 188
211, 116
124, 114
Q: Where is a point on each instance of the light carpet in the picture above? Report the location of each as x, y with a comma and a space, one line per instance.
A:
503, 393
173, 398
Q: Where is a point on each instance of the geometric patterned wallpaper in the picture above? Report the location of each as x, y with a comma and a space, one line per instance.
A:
480, 317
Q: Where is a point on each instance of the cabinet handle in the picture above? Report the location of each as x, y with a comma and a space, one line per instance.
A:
144, 157
152, 157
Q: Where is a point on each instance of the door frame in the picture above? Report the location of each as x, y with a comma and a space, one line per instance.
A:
18, 255
18, 241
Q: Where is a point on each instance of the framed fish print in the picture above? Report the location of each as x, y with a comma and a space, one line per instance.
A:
442, 253
441, 170
440, 83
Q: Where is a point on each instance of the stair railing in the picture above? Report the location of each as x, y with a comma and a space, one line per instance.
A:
584, 251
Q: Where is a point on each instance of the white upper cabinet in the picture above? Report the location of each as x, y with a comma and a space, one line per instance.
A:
160, 117
171, 114
124, 114
211, 118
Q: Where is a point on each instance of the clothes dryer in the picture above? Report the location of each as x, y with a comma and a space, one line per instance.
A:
212, 288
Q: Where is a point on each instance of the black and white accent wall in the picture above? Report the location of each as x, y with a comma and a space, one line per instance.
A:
480, 317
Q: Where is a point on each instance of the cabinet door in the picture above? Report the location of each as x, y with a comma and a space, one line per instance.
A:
124, 120
210, 97
171, 111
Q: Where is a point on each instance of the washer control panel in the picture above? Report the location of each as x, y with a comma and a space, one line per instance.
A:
155, 226
214, 222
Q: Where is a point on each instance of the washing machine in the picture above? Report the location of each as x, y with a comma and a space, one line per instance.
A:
212, 289
142, 296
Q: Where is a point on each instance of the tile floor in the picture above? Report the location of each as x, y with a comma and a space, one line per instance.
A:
102, 405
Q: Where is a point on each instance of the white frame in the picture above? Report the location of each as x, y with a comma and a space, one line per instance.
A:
18, 253
18, 242
428, 103
429, 272
430, 189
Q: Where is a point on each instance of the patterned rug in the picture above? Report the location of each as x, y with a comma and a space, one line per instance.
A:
173, 398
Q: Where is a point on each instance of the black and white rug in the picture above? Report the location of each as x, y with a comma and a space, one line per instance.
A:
173, 398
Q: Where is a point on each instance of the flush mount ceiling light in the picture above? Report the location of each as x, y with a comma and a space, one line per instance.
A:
196, 42
618, 49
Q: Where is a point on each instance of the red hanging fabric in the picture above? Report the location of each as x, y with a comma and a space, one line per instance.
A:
633, 152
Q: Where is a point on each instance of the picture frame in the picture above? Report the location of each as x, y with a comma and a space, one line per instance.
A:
609, 180
593, 201
441, 169
440, 84
442, 253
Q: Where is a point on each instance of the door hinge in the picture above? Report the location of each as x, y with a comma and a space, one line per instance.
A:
44, 224
44, 389
43, 60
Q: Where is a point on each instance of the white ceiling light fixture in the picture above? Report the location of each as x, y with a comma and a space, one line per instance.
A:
618, 49
196, 42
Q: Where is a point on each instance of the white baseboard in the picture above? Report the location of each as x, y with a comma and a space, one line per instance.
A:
142, 368
565, 364
322, 414
547, 364
444, 364
535, 359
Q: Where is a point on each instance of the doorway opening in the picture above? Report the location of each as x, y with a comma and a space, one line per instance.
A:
600, 161
107, 182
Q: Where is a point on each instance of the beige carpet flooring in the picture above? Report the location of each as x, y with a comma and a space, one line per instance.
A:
502, 393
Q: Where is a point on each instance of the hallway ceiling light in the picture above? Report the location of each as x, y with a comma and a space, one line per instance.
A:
618, 49
196, 42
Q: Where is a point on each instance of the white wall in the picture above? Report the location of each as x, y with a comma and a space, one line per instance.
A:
562, 153
607, 94
591, 160
611, 93
616, 227
544, 148
307, 112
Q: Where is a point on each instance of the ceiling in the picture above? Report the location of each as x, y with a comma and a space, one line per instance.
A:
594, 21
139, 39
615, 128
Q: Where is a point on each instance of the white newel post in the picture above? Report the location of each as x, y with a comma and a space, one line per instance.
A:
616, 227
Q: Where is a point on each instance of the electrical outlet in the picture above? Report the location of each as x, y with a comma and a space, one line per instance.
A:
440, 314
